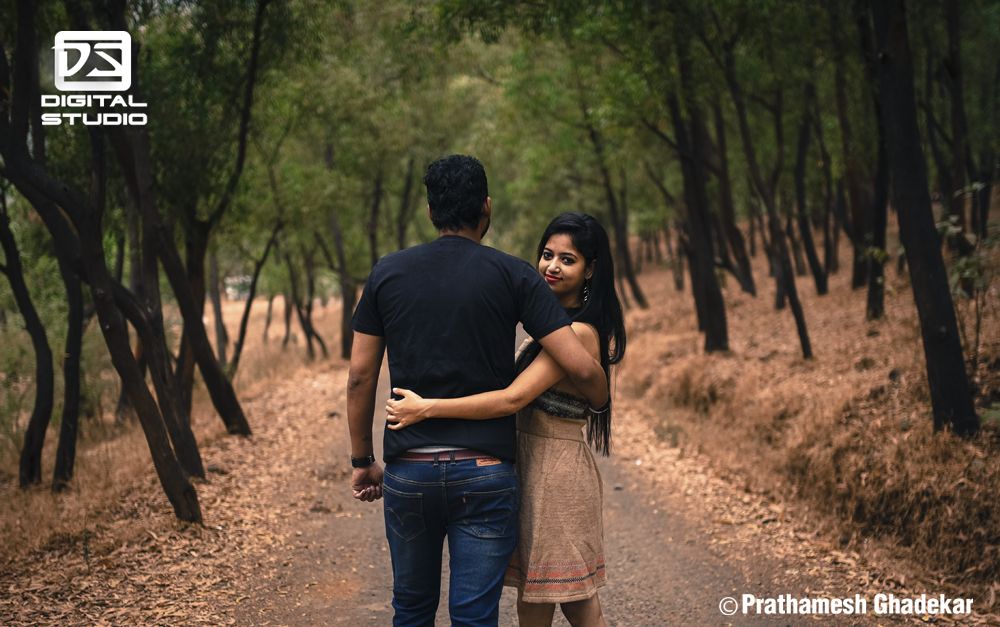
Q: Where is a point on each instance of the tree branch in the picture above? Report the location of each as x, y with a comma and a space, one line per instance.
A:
653, 128
241, 150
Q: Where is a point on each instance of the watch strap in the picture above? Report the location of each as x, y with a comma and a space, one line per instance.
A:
362, 462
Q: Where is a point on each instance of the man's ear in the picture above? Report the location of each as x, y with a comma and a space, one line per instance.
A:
488, 208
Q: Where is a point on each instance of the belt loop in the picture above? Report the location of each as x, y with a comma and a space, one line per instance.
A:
451, 456
437, 458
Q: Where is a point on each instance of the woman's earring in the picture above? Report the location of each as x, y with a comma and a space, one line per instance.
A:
586, 291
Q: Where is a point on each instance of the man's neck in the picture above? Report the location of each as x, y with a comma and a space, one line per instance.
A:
472, 234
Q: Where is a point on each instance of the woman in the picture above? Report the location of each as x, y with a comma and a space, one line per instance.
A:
560, 555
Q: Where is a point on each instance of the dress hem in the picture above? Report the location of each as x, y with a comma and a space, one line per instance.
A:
555, 598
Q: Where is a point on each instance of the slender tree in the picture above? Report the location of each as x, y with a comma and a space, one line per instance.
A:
30, 469
951, 398
802, 214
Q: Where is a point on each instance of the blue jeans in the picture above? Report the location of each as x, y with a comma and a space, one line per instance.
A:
476, 508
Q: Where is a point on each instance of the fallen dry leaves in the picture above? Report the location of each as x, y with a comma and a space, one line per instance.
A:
137, 565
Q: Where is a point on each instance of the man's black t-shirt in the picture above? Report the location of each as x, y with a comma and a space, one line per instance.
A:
448, 311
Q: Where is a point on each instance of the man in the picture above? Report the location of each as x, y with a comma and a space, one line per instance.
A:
447, 311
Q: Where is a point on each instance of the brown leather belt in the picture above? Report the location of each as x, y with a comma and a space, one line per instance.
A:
448, 456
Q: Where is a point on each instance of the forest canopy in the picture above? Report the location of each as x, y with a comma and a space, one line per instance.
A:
286, 142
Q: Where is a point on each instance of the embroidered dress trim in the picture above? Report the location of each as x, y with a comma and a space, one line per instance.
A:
561, 404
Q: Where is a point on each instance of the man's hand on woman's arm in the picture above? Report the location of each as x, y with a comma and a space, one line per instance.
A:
362, 380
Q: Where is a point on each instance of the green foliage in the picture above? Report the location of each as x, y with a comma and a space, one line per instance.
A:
350, 92
973, 274
16, 363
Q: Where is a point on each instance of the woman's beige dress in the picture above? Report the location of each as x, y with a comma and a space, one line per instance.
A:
560, 552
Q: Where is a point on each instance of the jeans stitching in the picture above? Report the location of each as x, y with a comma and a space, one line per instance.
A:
451, 482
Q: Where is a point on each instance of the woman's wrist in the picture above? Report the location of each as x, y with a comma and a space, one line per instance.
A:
428, 411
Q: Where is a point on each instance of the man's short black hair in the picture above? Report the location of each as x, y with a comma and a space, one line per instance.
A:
456, 191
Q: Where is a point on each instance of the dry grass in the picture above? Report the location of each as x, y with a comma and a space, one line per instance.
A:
113, 460
848, 434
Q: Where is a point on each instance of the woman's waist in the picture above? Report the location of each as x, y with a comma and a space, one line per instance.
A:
533, 421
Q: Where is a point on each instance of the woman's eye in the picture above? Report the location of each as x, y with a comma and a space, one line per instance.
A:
546, 256
567, 260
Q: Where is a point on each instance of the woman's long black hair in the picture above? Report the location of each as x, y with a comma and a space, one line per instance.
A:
601, 308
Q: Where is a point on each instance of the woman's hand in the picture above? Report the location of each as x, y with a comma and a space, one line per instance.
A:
410, 410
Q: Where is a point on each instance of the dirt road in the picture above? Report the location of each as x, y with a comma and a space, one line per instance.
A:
671, 557
285, 544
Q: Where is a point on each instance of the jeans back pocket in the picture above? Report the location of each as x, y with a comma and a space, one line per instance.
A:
491, 514
404, 512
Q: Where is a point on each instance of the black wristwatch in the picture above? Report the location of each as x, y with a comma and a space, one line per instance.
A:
362, 462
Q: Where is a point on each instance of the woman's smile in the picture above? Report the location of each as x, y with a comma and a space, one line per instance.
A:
564, 269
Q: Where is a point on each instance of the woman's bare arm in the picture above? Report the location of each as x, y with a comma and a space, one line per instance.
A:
539, 376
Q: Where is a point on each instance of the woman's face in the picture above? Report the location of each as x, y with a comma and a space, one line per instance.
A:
564, 268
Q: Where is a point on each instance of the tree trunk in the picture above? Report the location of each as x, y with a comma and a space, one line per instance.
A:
830, 240
349, 299
66, 449
677, 261
215, 295
796, 246
45, 193
348, 291
132, 224
951, 398
303, 306
839, 215
293, 280
619, 219
959, 132
935, 133
855, 205
147, 317
777, 246
22, 110
784, 271
251, 294
692, 152
406, 205
878, 213
267, 316
48, 196
744, 272
288, 319
195, 249
175, 483
805, 228
675, 258
373, 214
219, 387
68, 426
990, 98
194, 345
30, 468
620, 285
308, 258
619, 215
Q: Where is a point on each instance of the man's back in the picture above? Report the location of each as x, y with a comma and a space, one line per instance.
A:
448, 310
